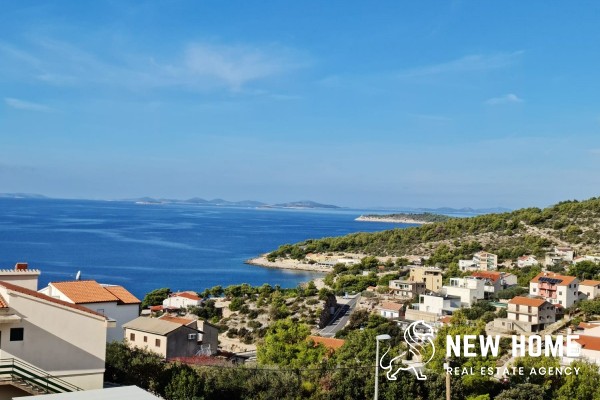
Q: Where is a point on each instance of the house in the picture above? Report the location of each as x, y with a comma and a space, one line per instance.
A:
526, 314
595, 258
182, 300
21, 275
432, 306
585, 348
469, 289
172, 336
527, 261
391, 310
559, 256
495, 281
557, 289
116, 302
406, 289
51, 339
431, 276
467, 265
589, 288
482, 261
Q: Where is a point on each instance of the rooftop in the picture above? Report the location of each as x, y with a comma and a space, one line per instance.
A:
388, 305
157, 326
589, 282
33, 293
186, 295
527, 301
589, 342
177, 320
563, 280
491, 275
82, 292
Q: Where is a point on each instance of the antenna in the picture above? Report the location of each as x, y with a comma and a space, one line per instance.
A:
78, 276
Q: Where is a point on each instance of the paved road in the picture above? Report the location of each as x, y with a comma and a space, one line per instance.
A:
341, 317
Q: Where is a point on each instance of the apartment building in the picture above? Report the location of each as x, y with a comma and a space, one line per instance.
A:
406, 289
113, 301
432, 277
469, 289
482, 261
495, 281
527, 314
562, 290
432, 306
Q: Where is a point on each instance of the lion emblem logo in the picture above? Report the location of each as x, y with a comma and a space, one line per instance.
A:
417, 335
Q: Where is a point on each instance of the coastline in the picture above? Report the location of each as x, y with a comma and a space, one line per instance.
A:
288, 264
363, 218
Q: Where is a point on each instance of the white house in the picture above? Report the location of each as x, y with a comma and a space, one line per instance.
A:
482, 261
391, 310
527, 261
469, 289
495, 281
50, 338
182, 300
432, 306
589, 288
562, 290
113, 301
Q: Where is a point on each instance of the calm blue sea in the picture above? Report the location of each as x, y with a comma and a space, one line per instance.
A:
144, 247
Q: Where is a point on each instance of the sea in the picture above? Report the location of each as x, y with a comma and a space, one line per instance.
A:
148, 246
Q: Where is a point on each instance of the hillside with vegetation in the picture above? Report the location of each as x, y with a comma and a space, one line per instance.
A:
510, 235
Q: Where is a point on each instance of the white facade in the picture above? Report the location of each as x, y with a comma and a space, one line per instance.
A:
527, 261
182, 300
486, 261
65, 340
115, 310
469, 289
590, 289
21, 276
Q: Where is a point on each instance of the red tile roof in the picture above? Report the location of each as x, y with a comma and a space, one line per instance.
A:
589, 282
187, 295
82, 292
177, 320
33, 293
388, 305
122, 294
156, 308
446, 319
527, 301
589, 342
565, 279
491, 275
329, 343
587, 325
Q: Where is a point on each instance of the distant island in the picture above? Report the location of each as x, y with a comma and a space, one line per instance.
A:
244, 203
404, 218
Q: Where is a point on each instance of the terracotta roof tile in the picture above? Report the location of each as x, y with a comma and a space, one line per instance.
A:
81, 292
330, 343
527, 301
589, 342
589, 282
33, 293
587, 325
388, 305
491, 275
122, 294
565, 279
187, 295
177, 320
3, 303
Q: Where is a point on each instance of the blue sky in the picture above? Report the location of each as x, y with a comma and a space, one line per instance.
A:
404, 104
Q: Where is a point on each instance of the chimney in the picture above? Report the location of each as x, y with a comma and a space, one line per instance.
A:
21, 266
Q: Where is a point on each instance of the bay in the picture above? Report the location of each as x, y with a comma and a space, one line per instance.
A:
144, 247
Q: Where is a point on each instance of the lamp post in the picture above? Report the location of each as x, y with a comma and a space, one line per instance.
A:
378, 338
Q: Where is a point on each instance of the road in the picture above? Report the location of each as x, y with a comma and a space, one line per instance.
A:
341, 317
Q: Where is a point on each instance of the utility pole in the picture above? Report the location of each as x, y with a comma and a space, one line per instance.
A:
447, 368
377, 339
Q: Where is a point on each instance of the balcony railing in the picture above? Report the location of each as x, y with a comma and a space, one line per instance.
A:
26, 375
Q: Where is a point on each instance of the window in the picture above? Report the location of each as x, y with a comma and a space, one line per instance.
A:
16, 334
157, 342
559, 293
145, 339
132, 336
534, 290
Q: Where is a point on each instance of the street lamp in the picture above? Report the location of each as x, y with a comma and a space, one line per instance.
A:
378, 338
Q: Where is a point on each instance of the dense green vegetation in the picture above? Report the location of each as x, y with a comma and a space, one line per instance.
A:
422, 217
512, 234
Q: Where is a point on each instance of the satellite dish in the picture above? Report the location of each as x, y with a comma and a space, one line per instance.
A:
78, 276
